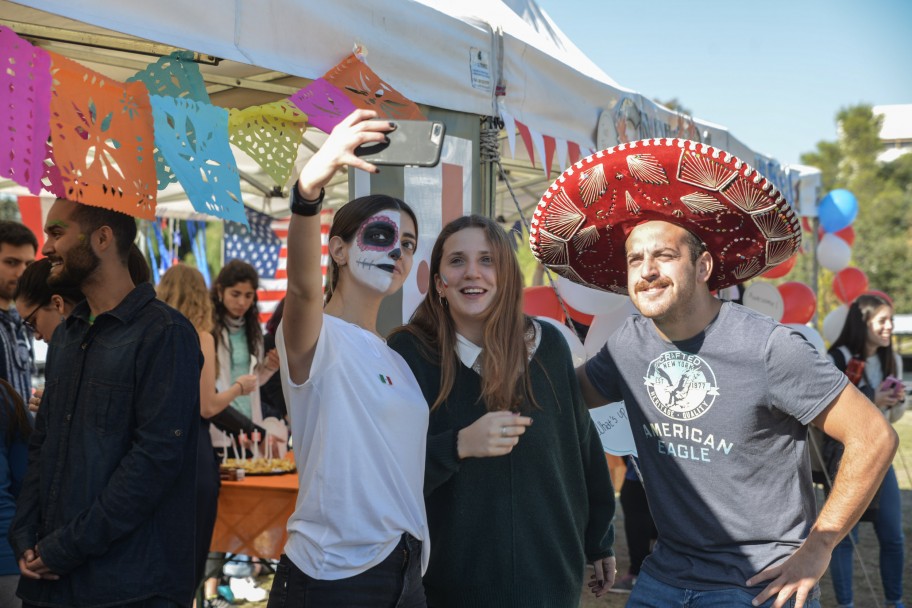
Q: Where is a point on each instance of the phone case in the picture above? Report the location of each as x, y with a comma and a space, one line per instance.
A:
854, 370
414, 143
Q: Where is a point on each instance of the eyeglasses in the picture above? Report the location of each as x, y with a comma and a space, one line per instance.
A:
29, 322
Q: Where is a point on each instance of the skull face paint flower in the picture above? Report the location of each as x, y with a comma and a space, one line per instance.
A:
376, 257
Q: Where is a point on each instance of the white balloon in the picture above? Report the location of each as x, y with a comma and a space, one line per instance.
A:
833, 253
577, 350
764, 298
811, 335
604, 325
834, 322
614, 430
588, 300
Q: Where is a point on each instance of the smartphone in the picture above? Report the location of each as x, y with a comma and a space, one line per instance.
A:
891, 383
413, 143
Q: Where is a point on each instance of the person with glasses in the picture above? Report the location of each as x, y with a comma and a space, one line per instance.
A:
45, 307
18, 246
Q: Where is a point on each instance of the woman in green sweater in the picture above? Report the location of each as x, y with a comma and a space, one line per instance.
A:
517, 489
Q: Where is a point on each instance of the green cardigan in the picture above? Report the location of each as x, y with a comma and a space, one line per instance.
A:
514, 530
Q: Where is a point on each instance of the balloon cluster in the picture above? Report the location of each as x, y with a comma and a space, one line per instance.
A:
837, 211
794, 303
789, 303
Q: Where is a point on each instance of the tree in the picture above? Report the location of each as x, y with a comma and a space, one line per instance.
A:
883, 229
674, 105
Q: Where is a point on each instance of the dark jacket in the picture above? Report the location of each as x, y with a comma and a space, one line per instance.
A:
514, 530
109, 497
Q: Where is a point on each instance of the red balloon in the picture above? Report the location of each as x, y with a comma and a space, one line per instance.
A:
782, 269
847, 234
849, 283
799, 302
541, 301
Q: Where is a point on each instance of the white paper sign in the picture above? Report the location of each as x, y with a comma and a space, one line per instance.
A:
614, 430
764, 298
480, 67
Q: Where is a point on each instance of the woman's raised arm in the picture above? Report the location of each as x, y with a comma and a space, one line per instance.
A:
303, 316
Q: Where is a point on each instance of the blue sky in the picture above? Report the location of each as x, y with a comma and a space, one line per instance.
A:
773, 72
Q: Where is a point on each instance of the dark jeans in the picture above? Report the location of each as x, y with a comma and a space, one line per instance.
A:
652, 593
393, 583
889, 531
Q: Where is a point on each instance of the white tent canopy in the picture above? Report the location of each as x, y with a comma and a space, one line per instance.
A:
442, 53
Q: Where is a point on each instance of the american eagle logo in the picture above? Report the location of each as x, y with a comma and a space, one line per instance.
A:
680, 385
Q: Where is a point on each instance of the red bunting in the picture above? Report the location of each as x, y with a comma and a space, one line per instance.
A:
550, 144
527, 140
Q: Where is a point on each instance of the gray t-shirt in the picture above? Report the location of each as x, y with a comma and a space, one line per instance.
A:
719, 424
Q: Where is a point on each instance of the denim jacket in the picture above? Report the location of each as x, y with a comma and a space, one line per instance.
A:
110, 492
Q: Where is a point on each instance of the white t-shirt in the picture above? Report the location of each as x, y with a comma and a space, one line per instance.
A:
359, 425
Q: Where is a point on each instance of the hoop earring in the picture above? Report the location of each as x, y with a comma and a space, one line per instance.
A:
443, 301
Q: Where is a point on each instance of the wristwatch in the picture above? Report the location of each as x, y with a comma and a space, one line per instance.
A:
304, 207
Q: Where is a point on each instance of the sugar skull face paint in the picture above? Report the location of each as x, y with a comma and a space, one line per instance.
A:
381, 253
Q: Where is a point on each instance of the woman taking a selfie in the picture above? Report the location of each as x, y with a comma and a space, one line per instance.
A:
864, 351
358, 535
516, 508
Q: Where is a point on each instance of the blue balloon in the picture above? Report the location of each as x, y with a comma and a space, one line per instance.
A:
837, 210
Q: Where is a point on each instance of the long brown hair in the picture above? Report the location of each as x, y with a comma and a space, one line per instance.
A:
854, 333
505, 383
183, 287
232, 273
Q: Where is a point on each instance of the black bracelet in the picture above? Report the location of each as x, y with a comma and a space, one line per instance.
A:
304, 207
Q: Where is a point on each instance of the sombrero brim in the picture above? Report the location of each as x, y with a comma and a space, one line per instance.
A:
582, 222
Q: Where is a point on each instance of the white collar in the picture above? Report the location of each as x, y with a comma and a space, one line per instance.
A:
469, 352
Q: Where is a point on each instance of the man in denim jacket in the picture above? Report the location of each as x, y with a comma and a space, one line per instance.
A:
106, 512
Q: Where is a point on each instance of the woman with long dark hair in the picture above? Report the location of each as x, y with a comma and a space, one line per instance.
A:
239, 353
864, 351
239, 342
358, 535
516, 509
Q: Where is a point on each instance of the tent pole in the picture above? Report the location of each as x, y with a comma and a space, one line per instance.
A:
489, 155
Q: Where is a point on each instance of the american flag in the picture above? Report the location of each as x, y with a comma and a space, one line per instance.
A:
265, 247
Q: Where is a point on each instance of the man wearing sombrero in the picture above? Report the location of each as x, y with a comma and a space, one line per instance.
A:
719, 396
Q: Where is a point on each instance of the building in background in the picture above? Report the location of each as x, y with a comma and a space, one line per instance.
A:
896, 132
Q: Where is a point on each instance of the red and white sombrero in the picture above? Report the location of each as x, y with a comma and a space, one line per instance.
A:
583, 220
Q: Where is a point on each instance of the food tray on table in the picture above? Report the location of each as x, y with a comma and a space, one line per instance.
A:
258, 467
